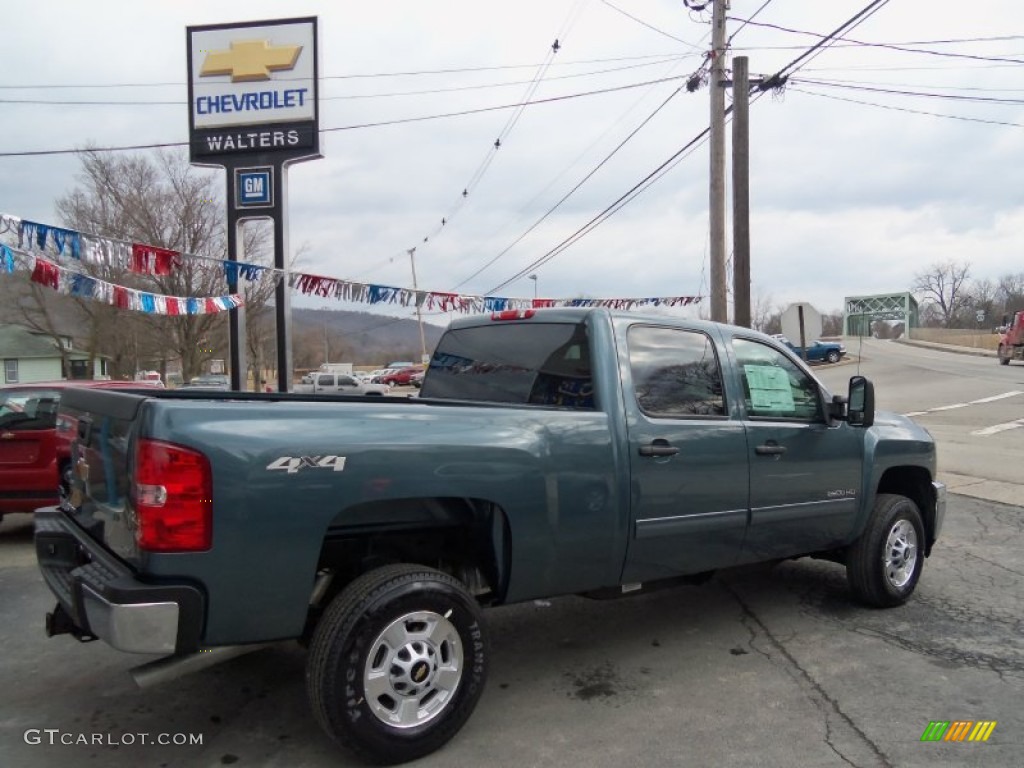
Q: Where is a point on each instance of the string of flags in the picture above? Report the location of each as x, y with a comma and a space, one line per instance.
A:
53, 256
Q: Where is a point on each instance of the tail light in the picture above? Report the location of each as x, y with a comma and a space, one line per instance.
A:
173, 494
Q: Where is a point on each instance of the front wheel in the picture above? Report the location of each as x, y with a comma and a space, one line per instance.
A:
1004, 355
884, 564
832, 356
397, 663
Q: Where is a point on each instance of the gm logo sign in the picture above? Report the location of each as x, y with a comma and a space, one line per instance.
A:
254, 187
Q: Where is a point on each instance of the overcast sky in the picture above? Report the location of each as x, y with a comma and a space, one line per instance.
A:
857, 183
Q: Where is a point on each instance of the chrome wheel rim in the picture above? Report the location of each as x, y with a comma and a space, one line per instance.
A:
900, 553
413, 669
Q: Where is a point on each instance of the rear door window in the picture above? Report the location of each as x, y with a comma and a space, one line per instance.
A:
675, 373
544, 364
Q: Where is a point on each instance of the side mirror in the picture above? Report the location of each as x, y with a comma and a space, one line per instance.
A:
861, 409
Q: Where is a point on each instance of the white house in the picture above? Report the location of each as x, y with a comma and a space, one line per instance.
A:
30, 356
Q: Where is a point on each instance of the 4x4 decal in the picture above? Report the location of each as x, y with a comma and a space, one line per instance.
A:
292, 464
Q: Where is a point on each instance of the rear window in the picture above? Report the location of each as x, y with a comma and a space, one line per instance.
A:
521, 363
25, 410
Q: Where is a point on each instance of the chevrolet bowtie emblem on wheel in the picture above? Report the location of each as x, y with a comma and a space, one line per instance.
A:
250, 60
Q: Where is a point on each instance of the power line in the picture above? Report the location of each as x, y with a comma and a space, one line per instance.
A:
357, 126
450, 70
898, 92
350, 97
651, 27
886, 46
894, 108
572, 191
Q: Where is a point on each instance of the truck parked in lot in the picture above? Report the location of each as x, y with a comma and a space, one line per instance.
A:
551, 452
320, 383
1011, 340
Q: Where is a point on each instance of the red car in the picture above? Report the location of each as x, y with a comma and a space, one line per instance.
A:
35, 451
401, 377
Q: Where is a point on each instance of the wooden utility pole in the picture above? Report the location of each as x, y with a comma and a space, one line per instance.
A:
741, 191
716, 143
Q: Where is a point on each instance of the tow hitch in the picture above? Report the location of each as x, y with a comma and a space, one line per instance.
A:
60, 623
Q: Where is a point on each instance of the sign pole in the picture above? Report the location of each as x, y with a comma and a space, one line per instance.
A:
254, 110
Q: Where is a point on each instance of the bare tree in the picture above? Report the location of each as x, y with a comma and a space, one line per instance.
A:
945, 285
160, 201
762, 311
1010, 292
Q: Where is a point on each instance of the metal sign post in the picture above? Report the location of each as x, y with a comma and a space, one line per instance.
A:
254, 110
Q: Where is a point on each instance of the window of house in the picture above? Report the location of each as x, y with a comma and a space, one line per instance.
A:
11, 371
675, 373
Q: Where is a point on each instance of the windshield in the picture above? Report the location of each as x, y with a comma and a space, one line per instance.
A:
29, 409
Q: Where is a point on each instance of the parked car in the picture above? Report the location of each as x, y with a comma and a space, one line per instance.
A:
35, 449
401, 377
818, 352
209, 381
338, 384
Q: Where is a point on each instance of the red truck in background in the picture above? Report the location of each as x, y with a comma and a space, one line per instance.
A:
1011, 342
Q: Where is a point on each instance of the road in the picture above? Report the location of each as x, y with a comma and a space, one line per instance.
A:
972, 406
765, 666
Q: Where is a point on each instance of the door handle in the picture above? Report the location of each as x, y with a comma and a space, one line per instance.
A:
771, 448
659, 447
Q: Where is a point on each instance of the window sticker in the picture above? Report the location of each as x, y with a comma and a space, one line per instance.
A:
769, 388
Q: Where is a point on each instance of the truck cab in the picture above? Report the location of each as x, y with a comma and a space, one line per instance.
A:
1011, 341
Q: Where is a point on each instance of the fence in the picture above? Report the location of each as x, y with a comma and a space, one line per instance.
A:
960, 337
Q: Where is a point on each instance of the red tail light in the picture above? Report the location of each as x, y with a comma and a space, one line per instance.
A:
173, 494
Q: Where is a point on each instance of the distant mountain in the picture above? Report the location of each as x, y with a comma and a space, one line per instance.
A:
359, 337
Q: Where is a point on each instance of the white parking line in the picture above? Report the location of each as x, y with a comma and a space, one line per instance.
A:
997, 428
954, 406
997, 397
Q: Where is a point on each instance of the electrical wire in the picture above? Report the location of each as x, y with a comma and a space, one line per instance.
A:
572, 191
651, 27
899, 92
357, 126
908, 110
352, 97
884, 46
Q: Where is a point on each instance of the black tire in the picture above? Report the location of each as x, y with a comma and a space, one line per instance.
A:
1003, 360
439, 664
884, 564
832, 356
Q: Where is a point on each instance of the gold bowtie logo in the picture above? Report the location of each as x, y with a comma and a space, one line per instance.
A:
250, 60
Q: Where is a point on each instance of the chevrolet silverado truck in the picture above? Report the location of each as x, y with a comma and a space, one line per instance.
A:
552, 452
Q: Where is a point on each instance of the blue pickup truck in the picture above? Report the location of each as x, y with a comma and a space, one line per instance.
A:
551, 452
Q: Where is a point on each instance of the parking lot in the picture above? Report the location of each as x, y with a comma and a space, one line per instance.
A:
759, 667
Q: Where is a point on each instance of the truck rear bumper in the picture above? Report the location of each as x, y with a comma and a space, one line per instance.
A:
100, 596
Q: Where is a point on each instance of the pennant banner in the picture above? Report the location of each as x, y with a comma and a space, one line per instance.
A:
55, 243
72, 283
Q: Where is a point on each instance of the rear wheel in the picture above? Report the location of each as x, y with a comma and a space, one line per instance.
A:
884, 564
397, 663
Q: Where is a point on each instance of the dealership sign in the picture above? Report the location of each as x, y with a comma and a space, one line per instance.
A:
253, 89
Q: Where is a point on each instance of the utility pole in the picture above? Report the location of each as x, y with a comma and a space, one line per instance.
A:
419, 309
716, 143
741, 191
